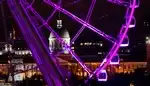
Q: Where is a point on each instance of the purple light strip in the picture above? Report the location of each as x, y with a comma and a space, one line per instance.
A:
59, 3
15, 12
120, 2
29, 5
54, 76
81, 21
116, 46
61, 41
87, 20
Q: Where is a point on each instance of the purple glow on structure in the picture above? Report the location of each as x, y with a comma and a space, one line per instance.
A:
110, 58
61, 41
125, 42
59, 3
81, 21
47, 64
102, 76
133, 22
30, 5
86, 20
115, 60
137, 3
116, 46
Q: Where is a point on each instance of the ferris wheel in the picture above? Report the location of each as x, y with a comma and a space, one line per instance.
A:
23, 12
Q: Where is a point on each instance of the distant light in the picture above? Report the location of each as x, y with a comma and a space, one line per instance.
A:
99, 52
128, 50
101, 44
72, 47
81, 43
6, 49
148, 41
19, 52
147, 38
1, 53
27, 51
23, 52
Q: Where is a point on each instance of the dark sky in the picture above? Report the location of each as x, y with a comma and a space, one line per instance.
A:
106, 17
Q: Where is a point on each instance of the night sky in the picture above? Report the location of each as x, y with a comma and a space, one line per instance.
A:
106, 16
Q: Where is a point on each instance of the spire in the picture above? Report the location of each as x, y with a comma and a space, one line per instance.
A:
59, 22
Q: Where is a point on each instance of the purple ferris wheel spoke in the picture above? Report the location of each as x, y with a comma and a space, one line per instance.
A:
86, 20
71, 52
28, 6
62, 41
55, 9
81, 21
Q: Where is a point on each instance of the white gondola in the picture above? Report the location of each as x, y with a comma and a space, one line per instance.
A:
136, 4
125, 42
115, 60
133, 21
102, 76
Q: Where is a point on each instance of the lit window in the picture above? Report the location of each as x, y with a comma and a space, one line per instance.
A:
128, 50
23, 52
0, 53
101, 44
72, 47
99, 52
19, 53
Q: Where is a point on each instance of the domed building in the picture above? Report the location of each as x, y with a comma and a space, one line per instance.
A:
55, 46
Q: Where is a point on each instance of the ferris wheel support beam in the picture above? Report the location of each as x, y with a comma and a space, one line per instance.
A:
86, 20
47, 65
103, 34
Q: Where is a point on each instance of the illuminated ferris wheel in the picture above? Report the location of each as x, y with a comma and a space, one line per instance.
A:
23, 12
